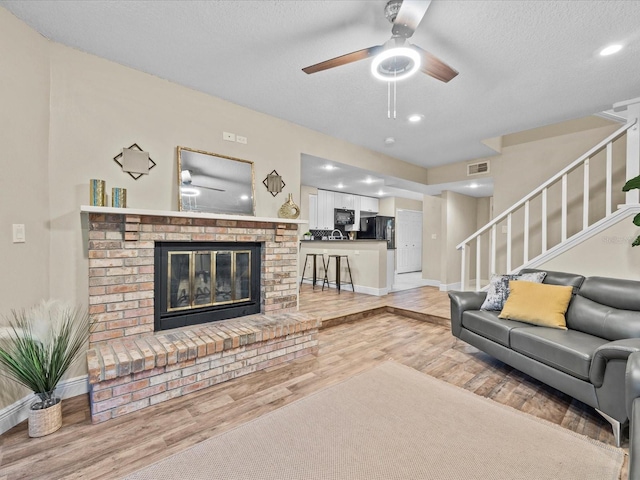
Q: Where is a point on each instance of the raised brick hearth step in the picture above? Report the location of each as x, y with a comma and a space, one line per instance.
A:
133, 373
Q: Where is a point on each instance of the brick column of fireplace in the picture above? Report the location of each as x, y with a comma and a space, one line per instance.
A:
121, 265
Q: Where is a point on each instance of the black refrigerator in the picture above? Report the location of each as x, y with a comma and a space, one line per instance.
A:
379, 228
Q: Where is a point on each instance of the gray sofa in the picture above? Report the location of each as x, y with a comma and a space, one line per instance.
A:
594, 360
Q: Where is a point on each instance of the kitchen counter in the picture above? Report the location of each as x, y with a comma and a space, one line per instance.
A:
358, 240
369, 260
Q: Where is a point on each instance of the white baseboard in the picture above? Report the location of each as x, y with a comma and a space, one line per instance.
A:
445, 287
18, 411
378, 292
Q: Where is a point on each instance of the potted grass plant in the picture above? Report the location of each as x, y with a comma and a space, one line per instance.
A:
631, 185
37, 349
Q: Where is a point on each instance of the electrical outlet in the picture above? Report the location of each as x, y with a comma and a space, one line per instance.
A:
434, 236
229, 137
242, 140
357, 252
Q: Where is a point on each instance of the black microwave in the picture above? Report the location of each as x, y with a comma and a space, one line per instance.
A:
343, 217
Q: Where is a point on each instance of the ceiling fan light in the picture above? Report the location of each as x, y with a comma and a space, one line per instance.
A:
395, 64
189, 192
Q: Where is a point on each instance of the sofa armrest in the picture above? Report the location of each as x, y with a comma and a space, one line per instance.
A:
634, 439
632, 385
461, 302
616, 350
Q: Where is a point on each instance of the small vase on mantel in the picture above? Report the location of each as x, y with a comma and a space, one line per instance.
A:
289, 209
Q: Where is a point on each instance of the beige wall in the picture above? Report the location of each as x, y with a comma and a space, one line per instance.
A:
24, 136
458, 221
431, 247
607, 254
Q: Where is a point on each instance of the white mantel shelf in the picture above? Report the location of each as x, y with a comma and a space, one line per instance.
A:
171, 213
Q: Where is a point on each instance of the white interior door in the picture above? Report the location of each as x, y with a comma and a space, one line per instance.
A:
409, 241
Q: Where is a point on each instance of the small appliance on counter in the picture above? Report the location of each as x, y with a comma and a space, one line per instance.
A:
379, 228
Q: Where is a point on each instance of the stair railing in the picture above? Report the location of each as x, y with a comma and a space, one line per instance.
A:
541, 192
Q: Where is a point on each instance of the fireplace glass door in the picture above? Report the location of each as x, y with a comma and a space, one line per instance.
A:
203, 278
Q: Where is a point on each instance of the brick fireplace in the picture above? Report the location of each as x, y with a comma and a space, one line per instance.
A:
131, 366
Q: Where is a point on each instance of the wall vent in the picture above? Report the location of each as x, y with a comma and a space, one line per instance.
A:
477, 168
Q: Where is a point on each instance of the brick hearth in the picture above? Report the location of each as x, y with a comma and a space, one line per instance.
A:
130, 366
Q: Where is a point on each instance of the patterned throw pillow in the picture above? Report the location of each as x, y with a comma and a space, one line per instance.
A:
499, 288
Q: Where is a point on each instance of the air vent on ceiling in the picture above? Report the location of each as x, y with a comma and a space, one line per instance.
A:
477, 168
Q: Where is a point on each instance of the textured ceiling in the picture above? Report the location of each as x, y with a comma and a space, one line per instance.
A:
522, 64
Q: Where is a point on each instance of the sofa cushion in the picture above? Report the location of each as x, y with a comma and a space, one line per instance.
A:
538, 304
567, 350
498, 290
488, 325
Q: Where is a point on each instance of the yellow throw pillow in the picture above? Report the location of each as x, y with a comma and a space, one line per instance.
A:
537, 303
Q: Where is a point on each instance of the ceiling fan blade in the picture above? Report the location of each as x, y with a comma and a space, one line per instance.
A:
409, 17
435, 67
343, 59
208, 188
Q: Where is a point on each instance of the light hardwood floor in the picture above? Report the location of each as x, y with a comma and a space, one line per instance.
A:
354, 342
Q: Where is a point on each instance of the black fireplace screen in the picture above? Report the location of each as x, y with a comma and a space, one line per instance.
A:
198, 283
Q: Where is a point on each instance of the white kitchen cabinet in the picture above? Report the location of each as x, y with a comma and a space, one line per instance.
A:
356, 218
326, 203
343, 200
313, 212
369, 204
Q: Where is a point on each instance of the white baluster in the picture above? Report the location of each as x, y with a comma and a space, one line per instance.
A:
544, 220
463, 275
564, 208
509, 243
526, 232
493, 249
609, 174
478, 245
585, 197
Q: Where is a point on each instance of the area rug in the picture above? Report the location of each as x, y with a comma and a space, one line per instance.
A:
392, 422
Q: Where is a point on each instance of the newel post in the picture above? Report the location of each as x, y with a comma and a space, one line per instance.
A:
633, 144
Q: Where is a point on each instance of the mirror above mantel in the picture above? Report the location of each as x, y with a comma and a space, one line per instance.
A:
214, 183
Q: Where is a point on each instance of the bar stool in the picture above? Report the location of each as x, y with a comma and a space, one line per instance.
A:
314, 278
338, 282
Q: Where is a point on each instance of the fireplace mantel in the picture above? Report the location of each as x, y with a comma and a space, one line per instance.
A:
171, 213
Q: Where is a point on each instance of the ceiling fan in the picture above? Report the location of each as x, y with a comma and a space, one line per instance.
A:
188, 182
397, 58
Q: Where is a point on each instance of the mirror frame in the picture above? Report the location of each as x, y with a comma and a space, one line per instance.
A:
219, 157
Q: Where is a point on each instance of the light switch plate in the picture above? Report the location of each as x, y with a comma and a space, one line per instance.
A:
19, 234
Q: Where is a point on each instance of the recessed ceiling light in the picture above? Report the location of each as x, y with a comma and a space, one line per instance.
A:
380, 192
474, 185
329, 167
369, 180
389, 141
415, 118
340, 185
610, 50
244, 197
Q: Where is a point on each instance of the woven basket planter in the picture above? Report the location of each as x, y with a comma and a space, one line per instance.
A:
45, 421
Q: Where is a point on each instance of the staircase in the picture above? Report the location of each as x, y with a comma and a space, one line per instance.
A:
573, 205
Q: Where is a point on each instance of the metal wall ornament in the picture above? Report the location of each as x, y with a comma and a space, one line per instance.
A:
274, 183
132, 165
